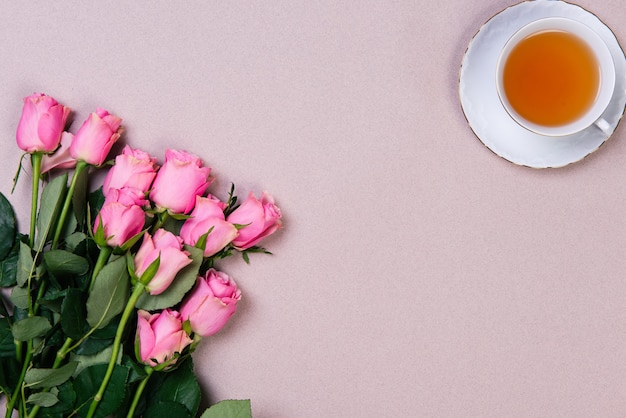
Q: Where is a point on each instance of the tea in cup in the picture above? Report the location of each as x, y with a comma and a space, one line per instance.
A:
555, 77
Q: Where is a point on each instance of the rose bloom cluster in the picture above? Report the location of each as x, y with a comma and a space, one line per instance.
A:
136, 191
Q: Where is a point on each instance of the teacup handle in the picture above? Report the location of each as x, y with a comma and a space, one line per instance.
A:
603, 125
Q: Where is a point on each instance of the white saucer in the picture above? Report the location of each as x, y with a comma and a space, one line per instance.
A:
488, 118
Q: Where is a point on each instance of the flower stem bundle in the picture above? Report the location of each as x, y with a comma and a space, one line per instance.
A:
112, 290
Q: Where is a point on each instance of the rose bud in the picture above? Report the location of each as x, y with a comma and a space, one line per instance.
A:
160, 337
61, 158
41, 124
211, 303
95, 137
117, 223
181, 178
208, 217
167, 247
133, 168
258, 219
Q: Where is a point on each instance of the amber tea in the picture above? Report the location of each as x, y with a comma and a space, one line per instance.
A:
551, 78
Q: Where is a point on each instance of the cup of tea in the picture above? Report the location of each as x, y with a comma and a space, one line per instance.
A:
555, 77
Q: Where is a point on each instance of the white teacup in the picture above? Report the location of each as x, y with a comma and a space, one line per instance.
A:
606, 80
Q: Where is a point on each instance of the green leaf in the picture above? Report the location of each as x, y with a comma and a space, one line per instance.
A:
8, 270
167, 410
180, 386
53, 299
9, 372
7, 345
8, 227
73, 314
126, 247
74, 241
202, 240
98, 236
150, 272
101, 357
109, 294
24, 264
229, 409
29, 328
87, 383
70, 226
66, 396
96, 200
137, 370
178, 216
19, 297
99, 339
61, 263
108, 332
44, 399
255, 249
51, 202
183, 282
231, 203
172, 225
19, 313
93, 346
47, 378
17, 174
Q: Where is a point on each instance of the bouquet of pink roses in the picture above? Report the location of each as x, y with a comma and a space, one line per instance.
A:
113, 289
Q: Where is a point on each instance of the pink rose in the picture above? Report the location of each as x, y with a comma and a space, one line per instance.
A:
127, 196
96, 136
41, 124
160, 337
118, 223
211, 303
260, 217
168, 248
181, 178
208, 215
61, 158
133, 168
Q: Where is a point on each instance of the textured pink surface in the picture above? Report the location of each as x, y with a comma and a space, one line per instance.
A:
418, 274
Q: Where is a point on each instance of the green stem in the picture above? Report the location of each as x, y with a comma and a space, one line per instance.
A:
57, 362
35, 160
80, 166
29, 354
161, 218
137, 292
20, 380
103, 258
139, 391
62, 353
40, 292
18, 351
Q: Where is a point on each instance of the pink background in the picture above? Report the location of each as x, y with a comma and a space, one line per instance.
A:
418, 274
